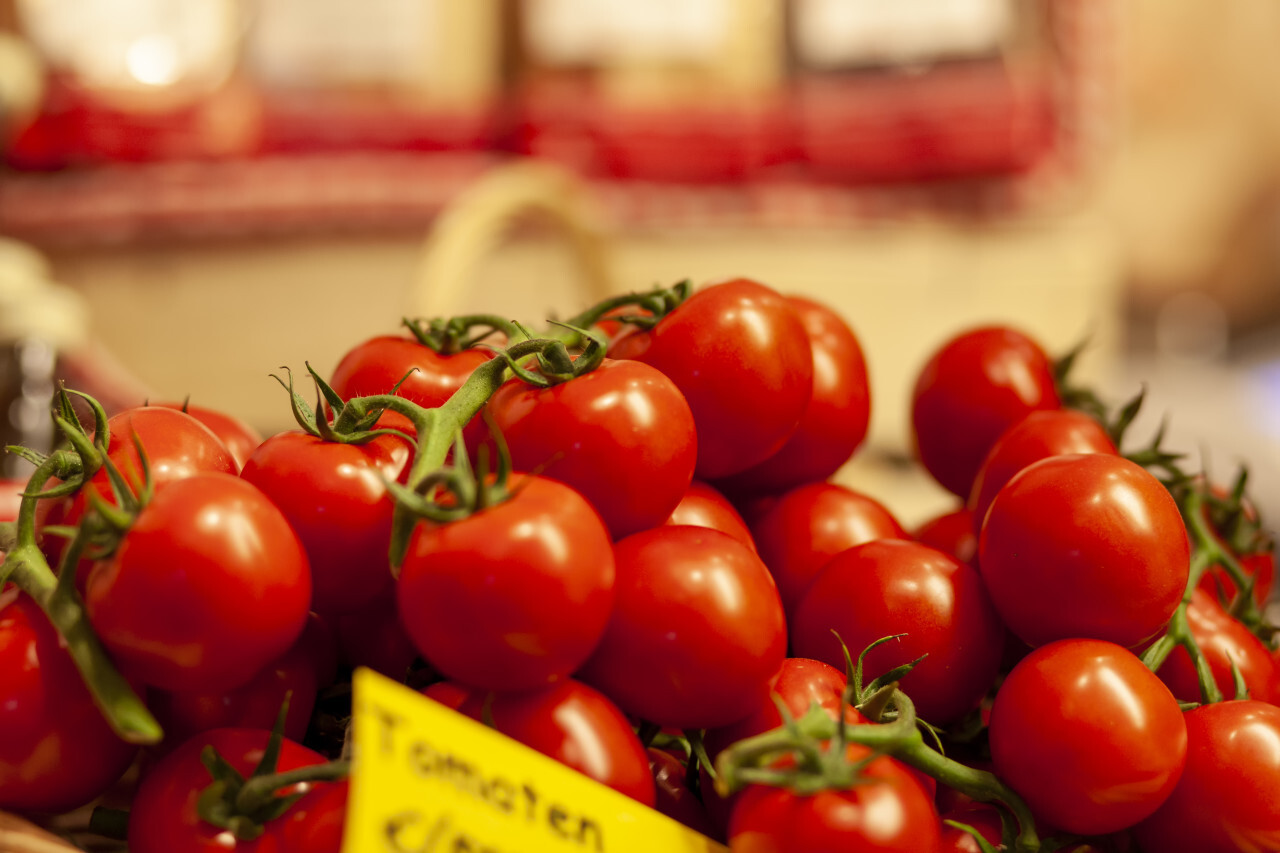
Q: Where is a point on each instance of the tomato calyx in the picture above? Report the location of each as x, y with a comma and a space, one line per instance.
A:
452, 493
452, 335
355, 421
554, 363
652, 307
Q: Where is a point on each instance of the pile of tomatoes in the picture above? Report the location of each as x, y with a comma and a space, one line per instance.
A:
619, 542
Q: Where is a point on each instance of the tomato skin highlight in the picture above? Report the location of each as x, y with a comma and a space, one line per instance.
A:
1087, 735
209, 586
973, 388
239, 438
740, 356
512, 597
1084, 545
696, 632
704, 506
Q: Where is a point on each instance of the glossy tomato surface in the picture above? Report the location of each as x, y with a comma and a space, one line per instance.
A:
1087, 735
739, 353
1223, 640
696, 633
1084, 545
209, 586
622, 435
704, 506
239, 437
973, 388
512, 597
952, 533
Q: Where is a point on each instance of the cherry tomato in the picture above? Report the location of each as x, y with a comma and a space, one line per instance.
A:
704, 506
163, 816
1260, 566
1087, 735
1228, 798
622, 435
570, 722
512, 597
335, 497
983, 817
739, 353
890, 587
1223, 640
1084, 545
888, 811
836, 419
57, 751
809, 525
209, 586
673, 796
238, 436
315, 823
972, 389
952, 533
696, 632
1037, 436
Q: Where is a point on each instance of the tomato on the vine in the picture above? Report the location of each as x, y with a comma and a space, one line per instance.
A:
704, 506
239, 437
1224, 641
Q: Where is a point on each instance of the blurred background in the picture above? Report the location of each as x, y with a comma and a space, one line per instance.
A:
195, 194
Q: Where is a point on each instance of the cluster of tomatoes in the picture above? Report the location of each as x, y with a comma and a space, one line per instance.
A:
620, 544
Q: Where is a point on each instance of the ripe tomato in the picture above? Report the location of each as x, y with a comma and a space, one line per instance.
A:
316, 822
209, 586
972, 389
1228, 799
373, 636
238, 436
512, 597
1084, 545
1087, 735
1040, 434
704, 506
57, 751
809, 525
335, 498
1261, 566
673, 796
836, 419
952, 533
570, 722
888, 811
163, 817
890, 587
622, 435
696, 632
739, 354
1222, 640
983, 817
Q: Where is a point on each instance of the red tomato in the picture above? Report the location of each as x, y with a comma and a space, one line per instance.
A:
983, 817
1228, 798
1222, 640
836, 419
1084, 545
316, 822
57, 751
209, 586
163, 816
740, 355
696, 632
572, 723
673, 796
1037, 436
704, 506
1087, 735
373, 636
335, 497
622, 435
238, 436
1260, 566
952, 533
514, 596
892, 586
809, 525
886, 812
972, 389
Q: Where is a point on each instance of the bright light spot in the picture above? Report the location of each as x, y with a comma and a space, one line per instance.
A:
153, 60
1134, 509
226, 840
549, 537
885, 813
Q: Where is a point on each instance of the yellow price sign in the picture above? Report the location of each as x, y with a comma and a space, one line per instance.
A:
426, 779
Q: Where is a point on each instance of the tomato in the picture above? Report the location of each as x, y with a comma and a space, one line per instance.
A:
836, 419
740, 355
239, 438
512, 597
887, 811
622, 435
209, 586
163, 817
696, 632
890, 587
983, 817
1260, 566
704, 506
809, 525
673, 796
572, 723
1084, 545
952, 533
973, 388
57, 751
1222, 640
373, 636
316, 822
1228, 799
1087, 735
1037, 436
335, 497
